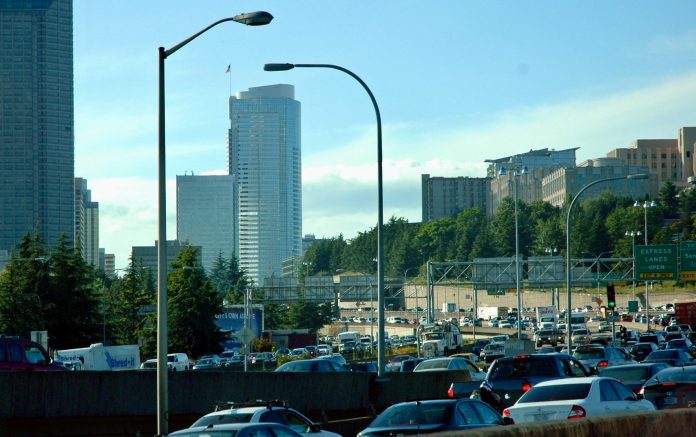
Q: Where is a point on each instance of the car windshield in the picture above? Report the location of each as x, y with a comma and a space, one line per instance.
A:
552, 393
413, 414
673, 353
676, 374
216, 419
296, 366
632, 375
433, 364
520, 368
589, 354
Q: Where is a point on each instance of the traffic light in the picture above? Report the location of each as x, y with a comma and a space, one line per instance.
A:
622, 330
611, 296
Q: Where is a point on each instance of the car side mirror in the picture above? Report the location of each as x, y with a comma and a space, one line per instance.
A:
315, 428
594, 371
508, 421
640, 396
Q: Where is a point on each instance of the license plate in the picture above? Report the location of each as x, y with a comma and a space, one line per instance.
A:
540, 417
669, 401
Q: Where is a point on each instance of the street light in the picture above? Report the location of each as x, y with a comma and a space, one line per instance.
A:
380, 208
250, 19
568, 267
633, 235
645, 206
517, 174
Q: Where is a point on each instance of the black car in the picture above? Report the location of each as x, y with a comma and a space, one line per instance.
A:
675, 357
513, 376
410, 364
479, 345
424, 417
641, 350
545, 336
634, 375
672, 388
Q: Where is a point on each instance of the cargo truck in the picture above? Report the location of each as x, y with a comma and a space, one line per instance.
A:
440, 339
100, 357
488, 313
547, 317
685, 313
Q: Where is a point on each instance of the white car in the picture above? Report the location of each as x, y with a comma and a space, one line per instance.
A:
575, 398
270, 412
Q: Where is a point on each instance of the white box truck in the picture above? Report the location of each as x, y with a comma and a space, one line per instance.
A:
100, 357
547, 317
488, 313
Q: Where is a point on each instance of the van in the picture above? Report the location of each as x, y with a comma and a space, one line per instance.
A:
178, 362
20, 354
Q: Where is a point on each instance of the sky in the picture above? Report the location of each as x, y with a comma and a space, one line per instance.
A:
456, 81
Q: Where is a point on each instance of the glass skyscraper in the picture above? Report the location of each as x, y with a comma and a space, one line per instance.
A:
205, 215
36, 120
264, 156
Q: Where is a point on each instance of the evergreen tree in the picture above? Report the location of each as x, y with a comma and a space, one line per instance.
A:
669, 200
229, 280
192, 306
130, 297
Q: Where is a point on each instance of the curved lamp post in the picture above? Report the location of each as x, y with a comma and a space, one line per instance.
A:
568, 267
380, 208
250, 19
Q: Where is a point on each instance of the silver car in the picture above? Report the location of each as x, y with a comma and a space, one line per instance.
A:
596, 357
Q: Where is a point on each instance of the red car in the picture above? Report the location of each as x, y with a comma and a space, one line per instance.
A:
626, 318
20, 354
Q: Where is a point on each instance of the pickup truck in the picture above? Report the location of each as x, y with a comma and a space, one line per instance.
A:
511, 377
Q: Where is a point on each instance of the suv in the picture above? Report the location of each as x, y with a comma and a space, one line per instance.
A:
20, 354
595, 357
511, 377
254, 412
545, 336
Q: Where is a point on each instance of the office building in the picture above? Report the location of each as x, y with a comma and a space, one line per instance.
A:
205, 215
147, 255
36, 121
445, 197
86, 228
531, 168
564, 183
265, 157
662, 157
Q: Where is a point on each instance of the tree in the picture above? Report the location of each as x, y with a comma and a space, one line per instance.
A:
193, 304
669, 200
128, 300
309, 315
229, 280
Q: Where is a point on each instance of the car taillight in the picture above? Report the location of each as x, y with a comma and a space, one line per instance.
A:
526, 387
506, 413
669, 384
576, 412
450, 392
641, 391
603, 363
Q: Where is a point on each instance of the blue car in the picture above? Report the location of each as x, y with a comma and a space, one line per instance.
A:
423, 417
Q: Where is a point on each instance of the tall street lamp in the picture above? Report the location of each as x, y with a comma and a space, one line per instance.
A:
251, 19
645, 206
517, 173
568, 266
380, 208
633, 235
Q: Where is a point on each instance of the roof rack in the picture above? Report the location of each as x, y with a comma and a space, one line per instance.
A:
223, 405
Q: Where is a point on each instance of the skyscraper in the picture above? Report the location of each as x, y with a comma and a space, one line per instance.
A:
205, 215
86, 223
265, 157
36, 120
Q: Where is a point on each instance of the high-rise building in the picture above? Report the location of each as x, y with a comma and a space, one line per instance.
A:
36, 120
86, 223
147, 255
445, 197
662, 158
265, 157
205, 215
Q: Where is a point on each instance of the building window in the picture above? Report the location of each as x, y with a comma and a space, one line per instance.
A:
688, 154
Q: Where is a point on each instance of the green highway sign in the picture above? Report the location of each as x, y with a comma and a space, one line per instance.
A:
632, 306
495, 292
656, 262
687, 255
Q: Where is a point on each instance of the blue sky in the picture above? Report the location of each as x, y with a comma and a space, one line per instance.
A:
457, 82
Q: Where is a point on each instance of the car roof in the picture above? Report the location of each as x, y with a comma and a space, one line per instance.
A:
568, 381
232, 427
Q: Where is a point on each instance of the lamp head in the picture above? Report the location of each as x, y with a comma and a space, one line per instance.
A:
278, 67
638, 176
258, 18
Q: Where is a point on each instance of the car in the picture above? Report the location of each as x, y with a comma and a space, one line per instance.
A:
348, 347
178, 361
394, 364
298, 352
431, 416
479, 344
595, 357
234, 362
634, 375
19, 354
324, 349
675, 357
513, 376
205, 364
263, 357
641, 350
672, 388
683, 344
362, 366
410, 364
605, 327
492, 351
311, 365
653, 337
576, 398
151, 364
451, 363
545, 336
580, 336
260, 411
238, 430
336, 358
